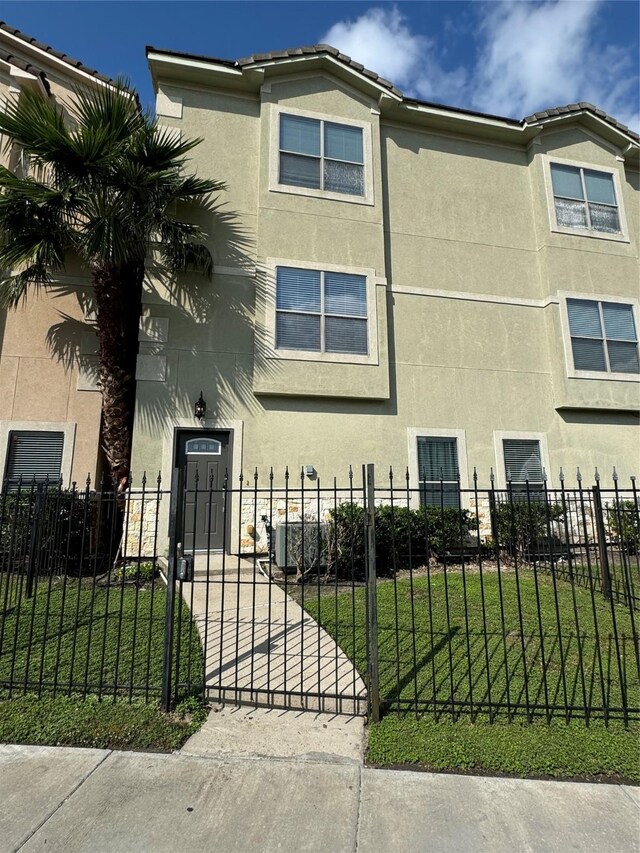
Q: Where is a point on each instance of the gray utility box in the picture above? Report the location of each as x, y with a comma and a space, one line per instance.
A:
291, 550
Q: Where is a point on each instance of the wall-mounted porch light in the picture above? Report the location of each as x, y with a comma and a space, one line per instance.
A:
200, 408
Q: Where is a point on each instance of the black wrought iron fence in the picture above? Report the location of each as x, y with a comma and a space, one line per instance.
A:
82, 603
513, 602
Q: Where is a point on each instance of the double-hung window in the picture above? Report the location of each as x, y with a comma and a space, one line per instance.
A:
438, 471
321, 311
585, 199
321, 155
604, 337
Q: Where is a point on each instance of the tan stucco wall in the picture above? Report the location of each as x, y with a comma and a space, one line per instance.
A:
468, 308
44, 341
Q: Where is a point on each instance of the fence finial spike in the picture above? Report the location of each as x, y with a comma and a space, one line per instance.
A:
578, 475
633, 480
492, 476
597, 476
508, 475
88, 481
271, 473
159, 479
560, 475
614, 476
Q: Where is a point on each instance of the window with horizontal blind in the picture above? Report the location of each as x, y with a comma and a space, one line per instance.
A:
604, 337
34, 456
438, 471
322, 155
522, 461
321, 311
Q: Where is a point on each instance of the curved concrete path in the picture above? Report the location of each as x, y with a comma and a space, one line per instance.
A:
262, 648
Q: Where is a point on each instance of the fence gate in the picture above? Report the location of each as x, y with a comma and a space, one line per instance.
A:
282, 622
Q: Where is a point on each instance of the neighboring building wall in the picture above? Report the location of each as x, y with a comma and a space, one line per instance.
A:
47, 345
467, 278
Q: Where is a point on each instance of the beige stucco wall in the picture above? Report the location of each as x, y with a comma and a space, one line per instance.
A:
467, 276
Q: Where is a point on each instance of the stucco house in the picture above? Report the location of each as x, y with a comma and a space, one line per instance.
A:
49, 400
395, 281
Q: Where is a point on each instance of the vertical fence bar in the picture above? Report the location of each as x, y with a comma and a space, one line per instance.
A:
373, 691
167, 659
601, 534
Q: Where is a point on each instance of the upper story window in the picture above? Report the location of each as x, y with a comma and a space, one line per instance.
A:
585, 200
604, 337
318, 155
321, 311
322, 155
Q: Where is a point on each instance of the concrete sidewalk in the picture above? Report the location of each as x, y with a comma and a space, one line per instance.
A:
265, 781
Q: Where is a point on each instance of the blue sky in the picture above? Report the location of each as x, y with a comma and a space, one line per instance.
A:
507, 58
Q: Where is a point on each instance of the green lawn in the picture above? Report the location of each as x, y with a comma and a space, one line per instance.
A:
444, 644
90, 722
106, 641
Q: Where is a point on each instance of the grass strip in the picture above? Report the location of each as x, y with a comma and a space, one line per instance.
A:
572, 751
89, 722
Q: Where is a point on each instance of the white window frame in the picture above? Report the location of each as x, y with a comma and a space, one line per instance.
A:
501, 469
602, 375
621, 237
274, 157
413, 434
305, 355
69, 435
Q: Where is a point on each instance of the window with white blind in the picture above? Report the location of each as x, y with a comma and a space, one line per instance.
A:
320, 311
604, 337
438, 471
322, 156
522, 462
585, 200
34, 456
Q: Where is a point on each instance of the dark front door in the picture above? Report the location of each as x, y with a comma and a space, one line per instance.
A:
203, 455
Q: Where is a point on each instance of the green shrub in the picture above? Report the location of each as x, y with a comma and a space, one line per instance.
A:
59, 523
624, 523
139, 573
404, 537
523, 527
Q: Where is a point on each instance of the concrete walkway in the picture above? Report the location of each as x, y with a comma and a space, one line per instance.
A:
263, 781
262, 647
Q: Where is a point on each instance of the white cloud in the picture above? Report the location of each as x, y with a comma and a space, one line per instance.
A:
381, 41
537, 55
529, 56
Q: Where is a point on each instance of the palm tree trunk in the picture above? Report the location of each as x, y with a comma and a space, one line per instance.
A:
118, 294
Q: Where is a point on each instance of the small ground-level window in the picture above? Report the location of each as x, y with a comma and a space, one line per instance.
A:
438, 471
522, 463
34, 456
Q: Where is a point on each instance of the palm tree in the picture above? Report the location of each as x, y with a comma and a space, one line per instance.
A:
107, 185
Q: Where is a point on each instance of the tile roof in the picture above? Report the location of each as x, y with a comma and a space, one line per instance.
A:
319, 50
327, 49
45, 48
583, 106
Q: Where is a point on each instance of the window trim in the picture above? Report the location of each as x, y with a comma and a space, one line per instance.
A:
622, 237
69, 435
516, 435
274, 158
306, 355
413, 434
603, 376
